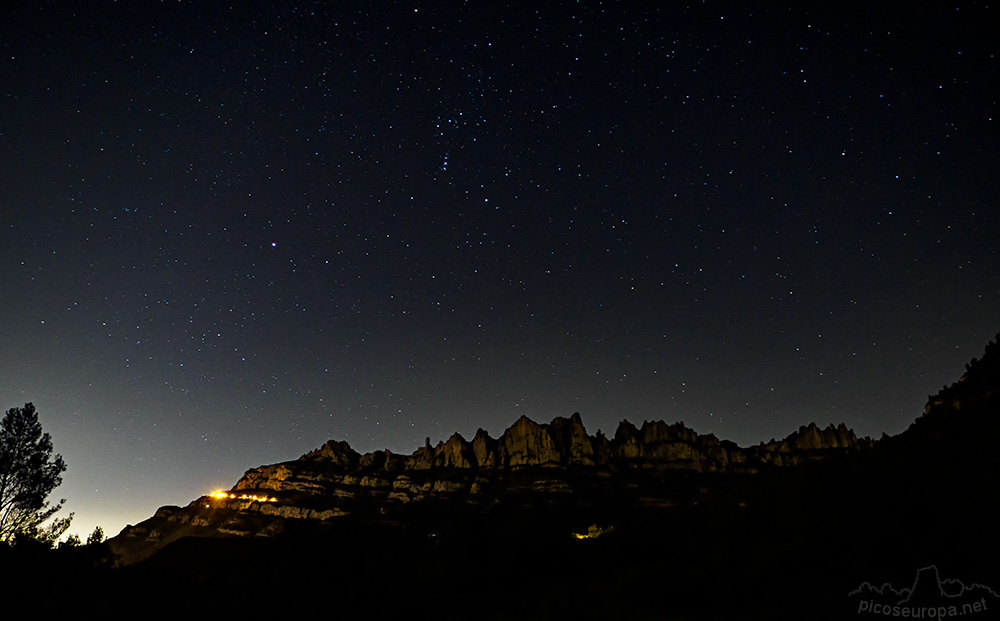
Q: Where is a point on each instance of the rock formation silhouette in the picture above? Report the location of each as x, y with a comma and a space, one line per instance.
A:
529, 459
657, 521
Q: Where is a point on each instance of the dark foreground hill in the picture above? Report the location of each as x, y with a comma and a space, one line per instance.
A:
548, 522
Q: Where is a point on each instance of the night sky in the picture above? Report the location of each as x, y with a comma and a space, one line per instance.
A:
233, 232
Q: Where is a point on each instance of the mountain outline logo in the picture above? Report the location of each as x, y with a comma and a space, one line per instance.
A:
929, 597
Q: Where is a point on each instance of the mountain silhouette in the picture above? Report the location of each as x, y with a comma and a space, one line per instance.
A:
549, 521
557, 463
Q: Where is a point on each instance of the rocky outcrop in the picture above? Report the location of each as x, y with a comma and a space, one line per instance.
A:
485, 450
336, 469
526, 443
335, 453
809, 443
455, 453
530, 462
674, 446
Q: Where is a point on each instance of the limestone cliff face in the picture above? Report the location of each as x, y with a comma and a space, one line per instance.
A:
455, 453
809, 443
485, 450
563, 442
557, 460
528, 443
460, 466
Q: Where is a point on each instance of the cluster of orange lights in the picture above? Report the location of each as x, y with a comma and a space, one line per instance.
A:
594, 532
230, 496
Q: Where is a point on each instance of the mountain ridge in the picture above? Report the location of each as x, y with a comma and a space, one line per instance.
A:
548, 521
565, 442
528, 463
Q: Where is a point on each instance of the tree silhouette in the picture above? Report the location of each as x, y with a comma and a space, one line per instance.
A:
96, 537
28, 474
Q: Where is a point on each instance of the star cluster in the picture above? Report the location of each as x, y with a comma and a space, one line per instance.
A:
231, 233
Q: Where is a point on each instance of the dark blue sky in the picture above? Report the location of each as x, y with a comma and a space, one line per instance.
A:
232, 233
